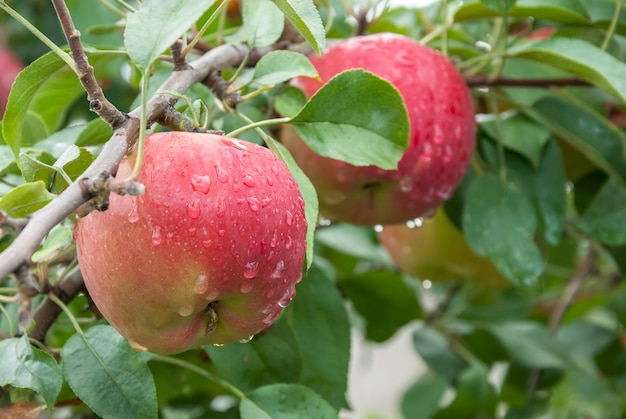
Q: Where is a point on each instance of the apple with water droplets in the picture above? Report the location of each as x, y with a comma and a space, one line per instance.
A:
441, 142
209, 254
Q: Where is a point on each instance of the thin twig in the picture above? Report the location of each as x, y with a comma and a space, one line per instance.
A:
97, 101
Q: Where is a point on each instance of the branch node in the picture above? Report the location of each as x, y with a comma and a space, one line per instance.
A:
222, 90
98, 190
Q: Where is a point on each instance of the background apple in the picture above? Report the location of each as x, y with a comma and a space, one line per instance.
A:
10, 66
442, 136
210, 254
438, 251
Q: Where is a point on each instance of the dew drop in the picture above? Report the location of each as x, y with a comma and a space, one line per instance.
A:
254, 204
212, 295
246, 340
192, 232
270, 180
288, 242
278, 271
222, 174
193, 209
249, 181
246, 287
157, 239
271, 318
406, 184
266, 201
274, 240
378, 228
299, 277
416, 223
275, 170
287, 297
289, 217
218, 345
202, 284
133, 215
201, 183
206, 243
239, 144
251, 269
186, 311
221, 233
438, 135
457, 132
220, 208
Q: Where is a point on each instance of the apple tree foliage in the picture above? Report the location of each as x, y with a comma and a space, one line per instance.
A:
544, 200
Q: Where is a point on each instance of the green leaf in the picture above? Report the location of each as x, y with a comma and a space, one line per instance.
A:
96, 132
546, 188
45, 88
584, 339
303, 15
422, 399
36, 165
265, 31
582, 59
23, 366
279, 66
519, 134
357, 241
475, 397
157, 25
285, 401
499, 221
59, 238
73, 162
604, 219
358, 118
309, 345
565, 11
382, 289
290, 101
500, 6
594, 136
110, 377
309, 194
25, 199
530, 344
434, 349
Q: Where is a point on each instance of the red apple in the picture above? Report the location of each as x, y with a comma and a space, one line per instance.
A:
10, 66
442, 135
438, 251
209, 254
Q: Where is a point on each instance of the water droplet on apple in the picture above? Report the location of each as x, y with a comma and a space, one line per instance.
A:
274, 240
212, 295
270, 180
445, 192
299, 277
220, 208
416, 223
288, 242
251, 269
246, 287
201, 183
193, 209
192, 232
275, 170
254, 204
133, 215
438, 135
186, 311
324, 222
457, 132
202, 284
218, 345
222, 174
289, 218
206, 243
378, 228
271, 317
221, 233
249, 181
406, 184
287, 297
157, 239
219, 260
266, 201
246, 340
278, 271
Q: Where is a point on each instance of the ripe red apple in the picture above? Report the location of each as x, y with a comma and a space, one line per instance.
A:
10, 66
438, 251
442, 135
209, 254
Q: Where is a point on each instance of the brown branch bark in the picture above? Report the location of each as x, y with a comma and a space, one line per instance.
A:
483, 81
42, 221
97, 101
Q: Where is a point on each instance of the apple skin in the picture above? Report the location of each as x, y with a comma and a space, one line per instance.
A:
11, 66
442, 135
221, 222
438, 251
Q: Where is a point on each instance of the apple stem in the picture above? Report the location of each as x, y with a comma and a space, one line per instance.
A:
200, 371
